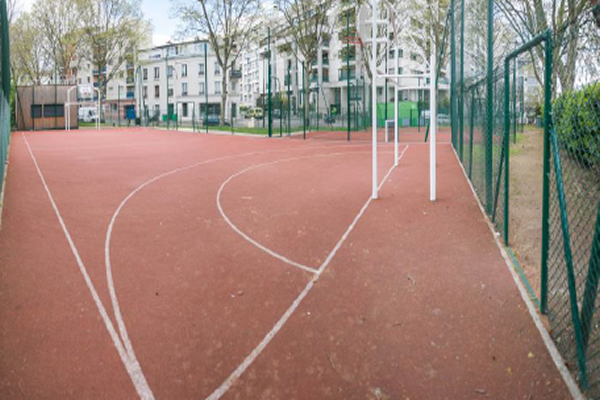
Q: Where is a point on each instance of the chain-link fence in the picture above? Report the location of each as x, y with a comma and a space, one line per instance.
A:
574, 233
4, 91
487, 110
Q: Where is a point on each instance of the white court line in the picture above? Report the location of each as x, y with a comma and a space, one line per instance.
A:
239, 371
550, 345
131, 365
108, 264
247, 237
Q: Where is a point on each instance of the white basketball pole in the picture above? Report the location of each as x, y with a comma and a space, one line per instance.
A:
374, 99
396, 83
432, 126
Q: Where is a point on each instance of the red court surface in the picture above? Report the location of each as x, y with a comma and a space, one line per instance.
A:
154, 264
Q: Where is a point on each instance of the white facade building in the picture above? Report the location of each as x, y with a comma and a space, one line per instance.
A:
180, 79
328, 79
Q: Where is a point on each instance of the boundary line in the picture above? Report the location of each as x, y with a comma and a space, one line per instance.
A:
557, 358
131, 364
239, 371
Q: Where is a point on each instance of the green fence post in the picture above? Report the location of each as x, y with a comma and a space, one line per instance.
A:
461, 99
55, 100
270, 115
546, 178
514, 103
453, 113
119, 104
348, 69
303, 102
471, 127
506, 146
289, 100
206, 86
490, 109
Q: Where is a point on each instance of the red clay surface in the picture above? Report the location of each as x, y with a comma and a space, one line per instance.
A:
416, 304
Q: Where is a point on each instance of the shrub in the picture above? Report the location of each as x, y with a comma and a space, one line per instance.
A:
577, 123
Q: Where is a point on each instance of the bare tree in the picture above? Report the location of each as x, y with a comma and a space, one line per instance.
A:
568, 19
226, 24
112, 30
60, 25
13, 10
29, 59
427, 22
307, 27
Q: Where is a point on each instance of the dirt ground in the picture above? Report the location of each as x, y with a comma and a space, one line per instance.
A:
526, 169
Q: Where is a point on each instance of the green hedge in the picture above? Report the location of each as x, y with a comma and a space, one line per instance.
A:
577, 123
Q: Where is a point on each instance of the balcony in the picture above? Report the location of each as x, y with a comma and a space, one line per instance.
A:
235, 73
129, 65
95, 71
130, 95
313, 79
130, 80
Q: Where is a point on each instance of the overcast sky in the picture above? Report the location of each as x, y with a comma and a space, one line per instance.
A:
157, 11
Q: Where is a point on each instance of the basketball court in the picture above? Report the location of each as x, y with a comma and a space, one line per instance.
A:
140, 263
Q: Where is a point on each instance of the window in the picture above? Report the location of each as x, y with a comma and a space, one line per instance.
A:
201, 69
217, 68
183, 70
399, 70
36, 111
54, 110
88, 79
157, 109
79, 81
217, 87
170, 92
400, 53
202, 88
156, 91
391, 54
414, 56
184, 109
184, 89
145, 74
170, 71
156, 72
145, 92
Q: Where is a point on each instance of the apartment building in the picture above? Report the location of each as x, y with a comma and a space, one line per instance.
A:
181, 79
339, 71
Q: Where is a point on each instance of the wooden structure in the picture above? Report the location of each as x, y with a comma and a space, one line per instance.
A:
42, 107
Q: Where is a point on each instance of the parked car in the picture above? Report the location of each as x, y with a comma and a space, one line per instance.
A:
256, 112
443, 119
212, 120
88, 114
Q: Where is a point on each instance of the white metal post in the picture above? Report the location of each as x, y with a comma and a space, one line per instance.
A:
432, 126
396, 84
374, 97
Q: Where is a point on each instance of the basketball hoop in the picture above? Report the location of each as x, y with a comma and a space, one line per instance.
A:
85, 91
